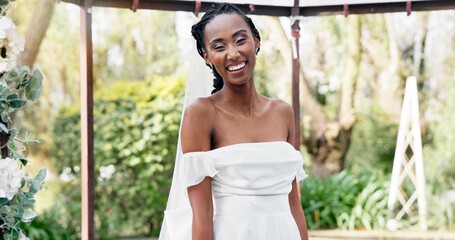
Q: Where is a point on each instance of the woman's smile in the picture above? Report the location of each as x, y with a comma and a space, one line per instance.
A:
236, 67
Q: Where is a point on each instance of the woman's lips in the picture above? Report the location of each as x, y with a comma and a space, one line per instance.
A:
236, 66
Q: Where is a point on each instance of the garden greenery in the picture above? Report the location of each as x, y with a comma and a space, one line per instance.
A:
346, 201
136, 127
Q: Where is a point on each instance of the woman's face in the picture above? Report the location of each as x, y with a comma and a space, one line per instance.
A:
231, 48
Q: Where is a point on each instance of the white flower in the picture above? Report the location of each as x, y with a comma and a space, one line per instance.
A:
7, 63
10, 178
6, 25
23, 237
106, 172
15, 42
11, 42
28, 215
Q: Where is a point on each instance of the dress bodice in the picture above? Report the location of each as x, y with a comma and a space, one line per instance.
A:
264, 168
240, 173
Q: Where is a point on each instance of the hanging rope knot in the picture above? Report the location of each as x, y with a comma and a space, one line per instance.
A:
346, 10
197, 7
135, 5
252, 9
295, 33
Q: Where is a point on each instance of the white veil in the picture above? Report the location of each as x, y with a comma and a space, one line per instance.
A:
199, 83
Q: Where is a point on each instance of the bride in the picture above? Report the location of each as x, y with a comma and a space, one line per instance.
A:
237, 179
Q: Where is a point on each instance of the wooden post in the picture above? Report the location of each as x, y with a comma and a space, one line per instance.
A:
87, 156
296, 72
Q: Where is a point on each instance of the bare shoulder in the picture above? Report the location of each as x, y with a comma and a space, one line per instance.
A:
200, 108
281, 107
197, 125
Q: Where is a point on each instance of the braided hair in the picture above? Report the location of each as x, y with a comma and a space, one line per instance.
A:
197, 30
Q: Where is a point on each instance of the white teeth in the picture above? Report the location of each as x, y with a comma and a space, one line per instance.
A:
237, 67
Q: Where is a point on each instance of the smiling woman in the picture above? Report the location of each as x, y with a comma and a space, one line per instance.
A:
239, 171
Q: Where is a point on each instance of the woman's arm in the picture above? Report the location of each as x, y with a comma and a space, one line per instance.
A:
195, 137
297, 210
294, 195
201, 202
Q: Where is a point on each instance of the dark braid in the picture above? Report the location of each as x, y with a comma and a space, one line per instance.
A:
197, 30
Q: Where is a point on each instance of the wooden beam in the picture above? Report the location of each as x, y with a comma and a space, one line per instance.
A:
87, 156
296, 73
272, 10
377, 8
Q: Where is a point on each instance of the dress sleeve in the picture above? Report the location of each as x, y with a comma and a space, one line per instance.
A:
195, 167
301, 174
189, 170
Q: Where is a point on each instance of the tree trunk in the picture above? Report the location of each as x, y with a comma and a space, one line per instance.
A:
389, 83
331, 147
329, 139
36, 30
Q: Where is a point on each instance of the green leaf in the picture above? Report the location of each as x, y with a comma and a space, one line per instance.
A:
4, 100
2, 88
4, 3
25, 200
24, 161
17, 103
3, 201
13, 96
33, 89
10, 234
3, 128
18, 76
41, 175
35, 186
12, 133
4, 117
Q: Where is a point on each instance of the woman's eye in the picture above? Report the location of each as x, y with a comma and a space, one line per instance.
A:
240, 40
218, 48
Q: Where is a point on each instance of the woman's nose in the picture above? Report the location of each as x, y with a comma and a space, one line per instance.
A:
233, 53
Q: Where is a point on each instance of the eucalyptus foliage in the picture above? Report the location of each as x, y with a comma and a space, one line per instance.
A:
17, 87
136, 127
4, 5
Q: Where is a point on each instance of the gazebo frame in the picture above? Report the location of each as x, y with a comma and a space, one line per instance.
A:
326, 8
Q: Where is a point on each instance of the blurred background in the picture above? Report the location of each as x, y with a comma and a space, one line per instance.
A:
141, 62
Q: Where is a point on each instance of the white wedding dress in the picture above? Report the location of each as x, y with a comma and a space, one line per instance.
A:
250, 184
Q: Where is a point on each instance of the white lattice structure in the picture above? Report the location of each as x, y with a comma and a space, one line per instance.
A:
408, 164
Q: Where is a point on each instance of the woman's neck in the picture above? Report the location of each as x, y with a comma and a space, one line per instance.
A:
242, 99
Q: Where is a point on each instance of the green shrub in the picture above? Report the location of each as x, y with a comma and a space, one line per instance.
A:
370, 209
135, 137
373, 141
345, 201
47, 227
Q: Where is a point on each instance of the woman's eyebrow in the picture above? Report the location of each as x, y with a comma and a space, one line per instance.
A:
233, 35
239, 32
